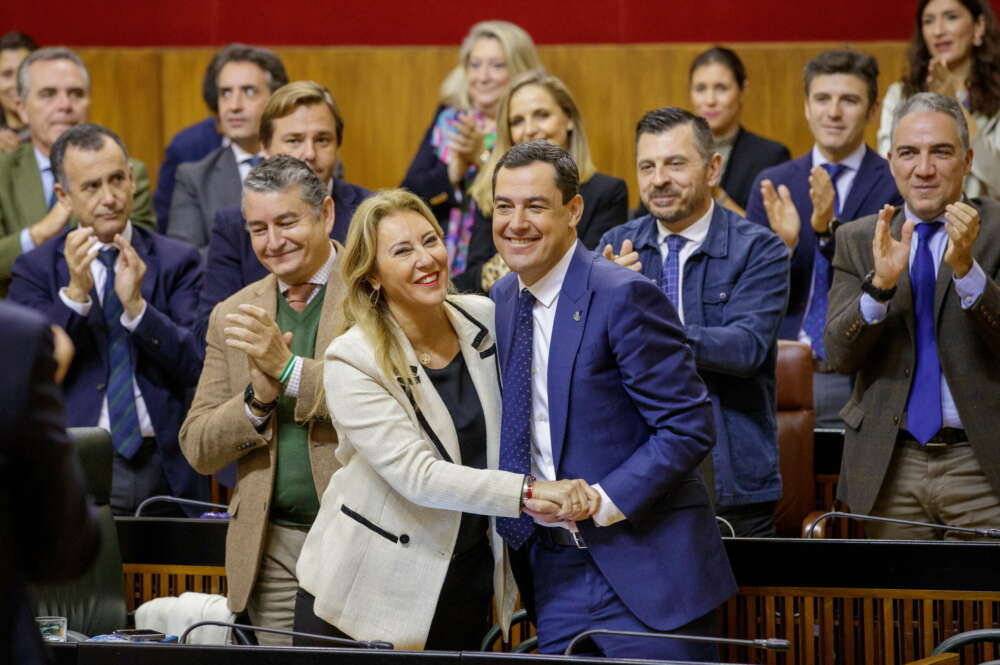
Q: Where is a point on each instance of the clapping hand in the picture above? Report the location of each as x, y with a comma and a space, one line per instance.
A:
822, 194
129, 274
891, 256
939, 78
256, 334
465, 145
963, 228
781, 213
628, 258
80, 251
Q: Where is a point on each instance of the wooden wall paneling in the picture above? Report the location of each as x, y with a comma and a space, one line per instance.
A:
126, 97
388, 94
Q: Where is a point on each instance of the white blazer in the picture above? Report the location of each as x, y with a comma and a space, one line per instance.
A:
377, 554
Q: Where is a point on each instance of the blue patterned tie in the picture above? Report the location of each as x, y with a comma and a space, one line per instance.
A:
52, 196
515, 424
671, 278
125, 433
816, 314
923, 410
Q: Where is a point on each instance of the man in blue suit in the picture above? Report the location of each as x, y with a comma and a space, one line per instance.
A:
301, 120
126, 296
599, 383
728, 280
806, 199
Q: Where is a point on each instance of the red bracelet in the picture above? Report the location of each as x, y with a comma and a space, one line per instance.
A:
529, 485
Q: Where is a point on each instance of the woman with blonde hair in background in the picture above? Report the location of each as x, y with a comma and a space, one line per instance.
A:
539, 106
403, 549
461, 137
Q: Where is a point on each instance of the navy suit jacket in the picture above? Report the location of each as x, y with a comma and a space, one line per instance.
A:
873, 187
628, 410
166, 356
735, 291
231, 263
47, 527
188, 145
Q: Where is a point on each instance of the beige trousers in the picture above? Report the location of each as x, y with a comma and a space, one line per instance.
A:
946, 486
272, 601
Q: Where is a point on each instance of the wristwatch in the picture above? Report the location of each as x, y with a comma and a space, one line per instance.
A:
831, 228
881, 295
254, 403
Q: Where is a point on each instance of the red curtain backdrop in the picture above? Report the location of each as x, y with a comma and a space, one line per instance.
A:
399, 22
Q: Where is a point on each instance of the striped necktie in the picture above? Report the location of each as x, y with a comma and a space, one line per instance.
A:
671, 278
125, 432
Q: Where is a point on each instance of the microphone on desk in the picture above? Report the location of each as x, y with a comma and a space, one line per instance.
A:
163, 498
989, 533
341, 641
770, 643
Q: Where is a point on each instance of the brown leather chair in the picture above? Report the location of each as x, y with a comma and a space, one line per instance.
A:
796, 417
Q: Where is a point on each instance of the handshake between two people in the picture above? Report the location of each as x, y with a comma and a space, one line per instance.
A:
562, 501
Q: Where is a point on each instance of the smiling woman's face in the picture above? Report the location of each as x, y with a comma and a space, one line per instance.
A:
411, 262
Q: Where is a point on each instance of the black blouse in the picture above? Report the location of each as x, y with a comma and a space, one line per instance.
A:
454, 385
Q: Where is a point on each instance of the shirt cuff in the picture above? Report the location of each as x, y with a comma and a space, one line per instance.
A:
255, 420
131, 324
608, 513
873, 311
81, 308
27, 244
295, 380
971, 287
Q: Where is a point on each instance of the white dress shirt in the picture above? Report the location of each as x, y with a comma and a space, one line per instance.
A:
242, 156
320, 278
546, 291
100, 275
695, 235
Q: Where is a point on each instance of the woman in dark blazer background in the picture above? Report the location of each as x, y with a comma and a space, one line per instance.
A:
539, 107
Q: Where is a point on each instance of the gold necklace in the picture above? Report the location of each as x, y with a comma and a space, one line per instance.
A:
424, 358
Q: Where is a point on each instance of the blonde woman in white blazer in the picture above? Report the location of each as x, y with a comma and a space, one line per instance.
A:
398, 551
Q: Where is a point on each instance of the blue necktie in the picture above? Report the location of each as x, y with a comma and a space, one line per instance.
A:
52, 196
816, 314
671, 278
515, 424
923, 410
125, 433
253, 161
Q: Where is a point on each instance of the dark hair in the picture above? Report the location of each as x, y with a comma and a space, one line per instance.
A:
85, 136
844, 61
210, 82
14, 40
524, 154
665, 119
278, 173
984, 81
720, 55
264, 58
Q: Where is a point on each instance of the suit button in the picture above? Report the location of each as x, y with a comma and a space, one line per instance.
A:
906, 372
895, 420
156, 342
723, 296
404, 539
101, 386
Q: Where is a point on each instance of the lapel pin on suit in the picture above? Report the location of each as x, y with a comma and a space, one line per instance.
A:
576, 315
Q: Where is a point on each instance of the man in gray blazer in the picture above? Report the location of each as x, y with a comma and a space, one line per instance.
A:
915, 314
247, 76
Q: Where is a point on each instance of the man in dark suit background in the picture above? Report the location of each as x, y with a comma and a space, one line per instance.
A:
301, 120
806, 199
47, 528
53, 93
247, 76
600, 384
915, 313
126, 297
728, 280
192, 143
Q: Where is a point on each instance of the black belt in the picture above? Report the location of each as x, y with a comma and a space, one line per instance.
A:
946, 436
556, 535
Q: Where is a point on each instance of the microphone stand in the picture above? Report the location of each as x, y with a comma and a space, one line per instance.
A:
342, 641
162, 498
771, 643
988, 533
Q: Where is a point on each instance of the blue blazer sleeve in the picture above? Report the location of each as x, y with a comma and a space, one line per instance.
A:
658, 373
